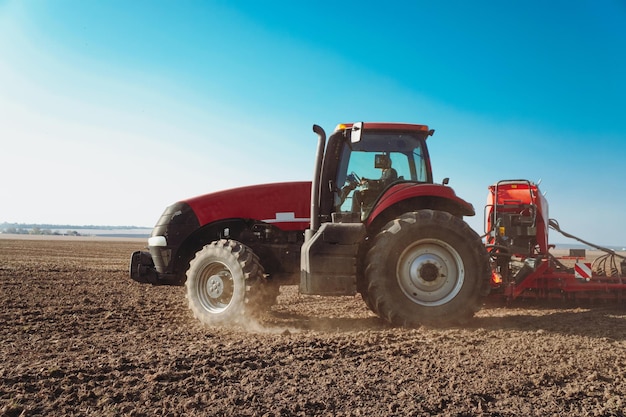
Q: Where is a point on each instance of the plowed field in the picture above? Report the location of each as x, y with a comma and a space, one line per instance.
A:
78, 337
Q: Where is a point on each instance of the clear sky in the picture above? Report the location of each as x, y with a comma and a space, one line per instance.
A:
112, 110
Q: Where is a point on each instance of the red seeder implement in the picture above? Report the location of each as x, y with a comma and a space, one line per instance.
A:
517, 224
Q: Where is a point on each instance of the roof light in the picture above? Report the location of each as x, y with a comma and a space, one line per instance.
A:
343, 126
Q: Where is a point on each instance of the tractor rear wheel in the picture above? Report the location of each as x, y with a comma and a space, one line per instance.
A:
426, 267
225, 283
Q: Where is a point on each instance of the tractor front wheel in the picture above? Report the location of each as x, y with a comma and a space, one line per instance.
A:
224, 283
426, 267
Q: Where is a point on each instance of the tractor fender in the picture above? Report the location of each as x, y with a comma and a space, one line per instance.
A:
406, 197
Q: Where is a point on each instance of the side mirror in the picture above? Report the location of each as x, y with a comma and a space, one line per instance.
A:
445, 181
355, 135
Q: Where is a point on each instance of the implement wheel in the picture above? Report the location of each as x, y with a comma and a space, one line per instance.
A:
426, 267
225, 283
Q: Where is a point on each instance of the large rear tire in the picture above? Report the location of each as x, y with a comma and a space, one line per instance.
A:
426, 267
225, 283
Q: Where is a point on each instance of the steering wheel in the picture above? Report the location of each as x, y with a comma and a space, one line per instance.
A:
354, 178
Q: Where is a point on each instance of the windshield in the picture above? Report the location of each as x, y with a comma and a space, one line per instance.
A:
378, 160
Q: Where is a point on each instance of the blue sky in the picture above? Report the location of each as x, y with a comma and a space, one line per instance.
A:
112, 110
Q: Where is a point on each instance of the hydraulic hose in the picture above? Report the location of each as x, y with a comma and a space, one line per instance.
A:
555, 225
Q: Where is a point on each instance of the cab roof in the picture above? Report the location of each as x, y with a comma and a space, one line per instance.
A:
386, 126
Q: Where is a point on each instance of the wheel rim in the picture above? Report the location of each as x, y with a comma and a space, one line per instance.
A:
215, 287
430, 272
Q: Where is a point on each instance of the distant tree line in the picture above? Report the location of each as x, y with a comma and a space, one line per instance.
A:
6, 225
70, 230
37, 231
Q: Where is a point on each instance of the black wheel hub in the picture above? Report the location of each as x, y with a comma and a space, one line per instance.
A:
429, 272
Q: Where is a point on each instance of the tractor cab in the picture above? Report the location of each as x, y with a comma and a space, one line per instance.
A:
361, 165
362, 161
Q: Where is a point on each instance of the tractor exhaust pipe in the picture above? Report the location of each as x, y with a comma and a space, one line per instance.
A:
315, 186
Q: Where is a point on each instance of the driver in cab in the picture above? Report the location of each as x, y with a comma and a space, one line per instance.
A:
371, 188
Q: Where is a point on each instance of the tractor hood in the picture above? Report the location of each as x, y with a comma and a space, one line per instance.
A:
285, 205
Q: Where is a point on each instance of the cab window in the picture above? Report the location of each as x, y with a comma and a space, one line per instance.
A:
368, 167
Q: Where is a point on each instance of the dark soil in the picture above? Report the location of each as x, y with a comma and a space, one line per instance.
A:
78, 337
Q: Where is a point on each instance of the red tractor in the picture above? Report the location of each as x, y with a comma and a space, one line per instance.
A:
371, 222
